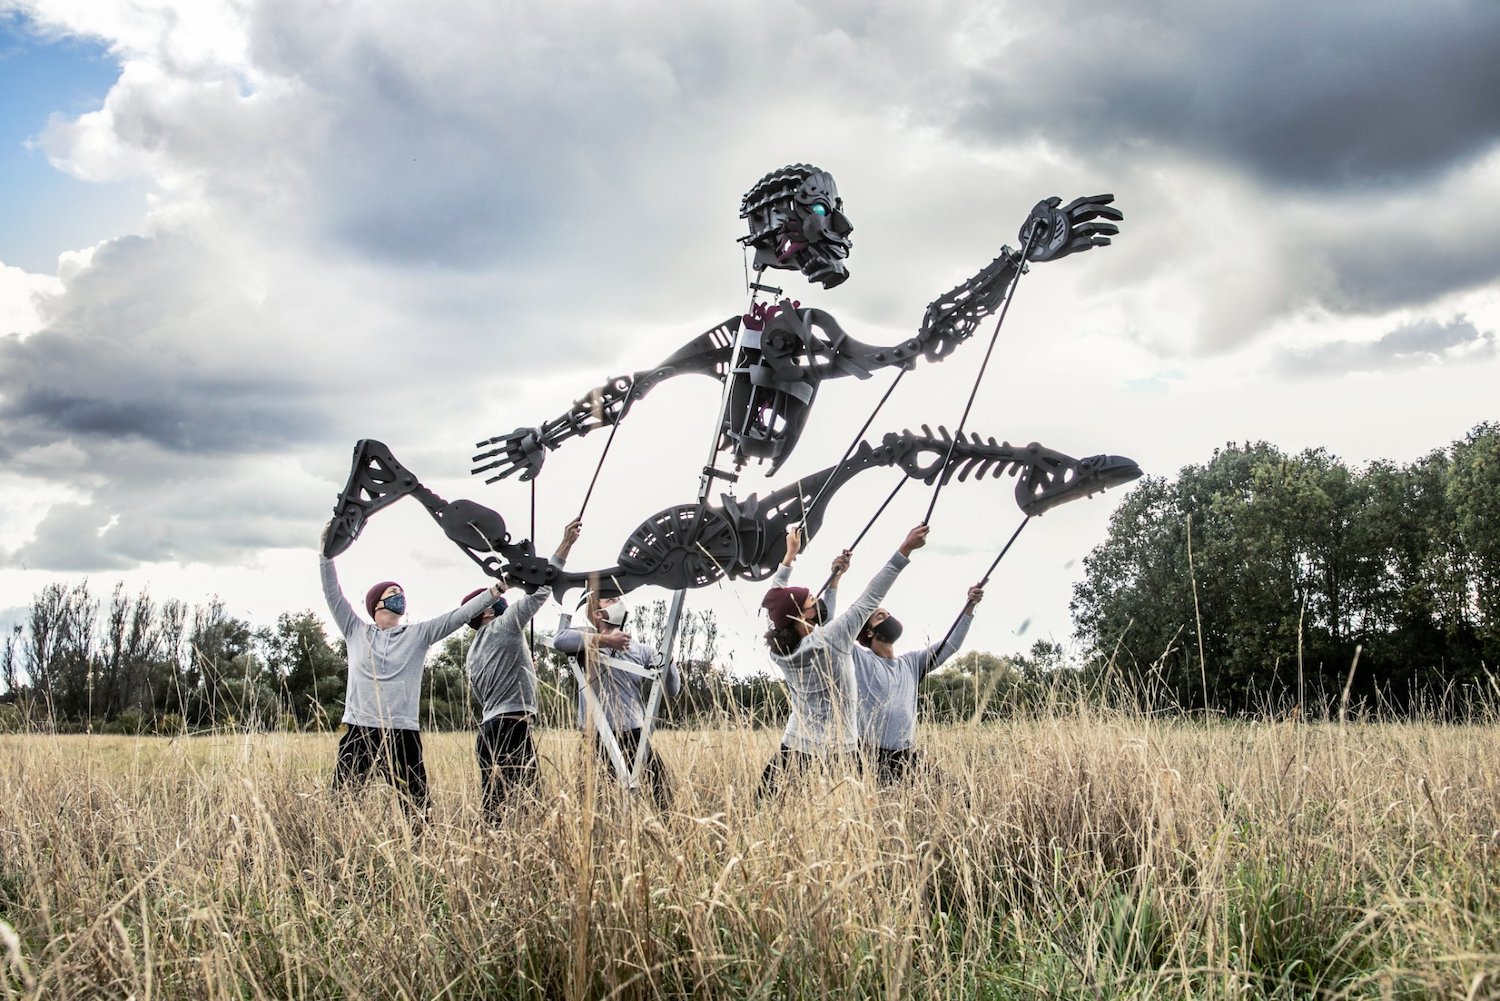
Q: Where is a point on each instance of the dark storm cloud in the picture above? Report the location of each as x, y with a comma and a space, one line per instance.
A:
1393, 262
1418, 343
50, 386
139, 350
186, 509
173, 404
1311, 96
68, 541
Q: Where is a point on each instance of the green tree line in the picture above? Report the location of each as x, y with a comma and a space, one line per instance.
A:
127, 663
1246, 584
1250, 582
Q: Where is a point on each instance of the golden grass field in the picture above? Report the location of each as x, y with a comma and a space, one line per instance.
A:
1088, 854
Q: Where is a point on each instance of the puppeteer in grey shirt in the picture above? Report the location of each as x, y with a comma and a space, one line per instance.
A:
820, 681
888, 690
499, 662
621, 693
385, 665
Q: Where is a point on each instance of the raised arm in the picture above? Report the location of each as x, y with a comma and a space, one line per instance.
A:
836, 570
434, 629
1051, 231
523, 610
524, 449
338, 605
783, 575
923, 662
842, 629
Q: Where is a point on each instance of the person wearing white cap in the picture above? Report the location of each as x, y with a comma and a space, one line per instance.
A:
620, 692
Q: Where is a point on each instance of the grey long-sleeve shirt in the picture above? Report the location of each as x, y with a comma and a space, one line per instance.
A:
820, 680
621, 693
501, 671
385, 665
888, 689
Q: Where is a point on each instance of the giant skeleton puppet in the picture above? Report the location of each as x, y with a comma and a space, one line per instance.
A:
774, 359
771, 360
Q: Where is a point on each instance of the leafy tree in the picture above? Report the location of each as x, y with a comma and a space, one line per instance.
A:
60, 651
10, 666
221, 672
1250, 581
309, 672
1474, 491
132, 644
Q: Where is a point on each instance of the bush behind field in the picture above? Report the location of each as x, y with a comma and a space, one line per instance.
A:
1079, 854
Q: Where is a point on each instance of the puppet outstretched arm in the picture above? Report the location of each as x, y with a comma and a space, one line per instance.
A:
524, 449
694, 545
1051, 231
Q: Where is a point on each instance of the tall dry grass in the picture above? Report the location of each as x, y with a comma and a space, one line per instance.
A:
1085, 854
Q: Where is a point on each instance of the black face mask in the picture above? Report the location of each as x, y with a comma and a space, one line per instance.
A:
889, 630
820, 614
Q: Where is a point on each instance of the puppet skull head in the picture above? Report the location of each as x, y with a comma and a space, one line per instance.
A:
797, 223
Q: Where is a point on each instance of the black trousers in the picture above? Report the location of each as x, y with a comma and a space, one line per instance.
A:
396, 755
507, 761
792, 763
653, 772
896, 765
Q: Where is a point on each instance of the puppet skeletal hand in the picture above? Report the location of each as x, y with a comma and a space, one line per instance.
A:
1071, 228
522, 450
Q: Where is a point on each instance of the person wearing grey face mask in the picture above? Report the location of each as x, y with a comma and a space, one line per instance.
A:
383, 689
888, 688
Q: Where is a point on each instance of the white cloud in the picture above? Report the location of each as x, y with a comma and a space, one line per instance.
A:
21, 294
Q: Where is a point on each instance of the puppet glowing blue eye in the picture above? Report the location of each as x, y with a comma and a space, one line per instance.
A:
819, 208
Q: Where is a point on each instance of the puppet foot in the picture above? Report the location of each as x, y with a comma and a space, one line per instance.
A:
376, 481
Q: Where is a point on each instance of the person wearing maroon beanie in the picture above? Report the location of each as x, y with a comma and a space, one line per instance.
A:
814, 652
503, 679
384, 686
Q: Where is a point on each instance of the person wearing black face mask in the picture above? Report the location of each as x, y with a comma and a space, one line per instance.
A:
888, 688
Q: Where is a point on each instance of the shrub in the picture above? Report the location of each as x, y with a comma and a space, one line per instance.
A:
130, 721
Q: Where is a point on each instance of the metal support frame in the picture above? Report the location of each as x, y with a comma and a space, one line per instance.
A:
674, 611
629, 776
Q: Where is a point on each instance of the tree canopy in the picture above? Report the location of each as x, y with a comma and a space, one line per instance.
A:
1248, 582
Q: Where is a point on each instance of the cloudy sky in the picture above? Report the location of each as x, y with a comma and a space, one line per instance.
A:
235, 237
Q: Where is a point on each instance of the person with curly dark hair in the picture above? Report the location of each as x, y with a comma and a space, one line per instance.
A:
814, 653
